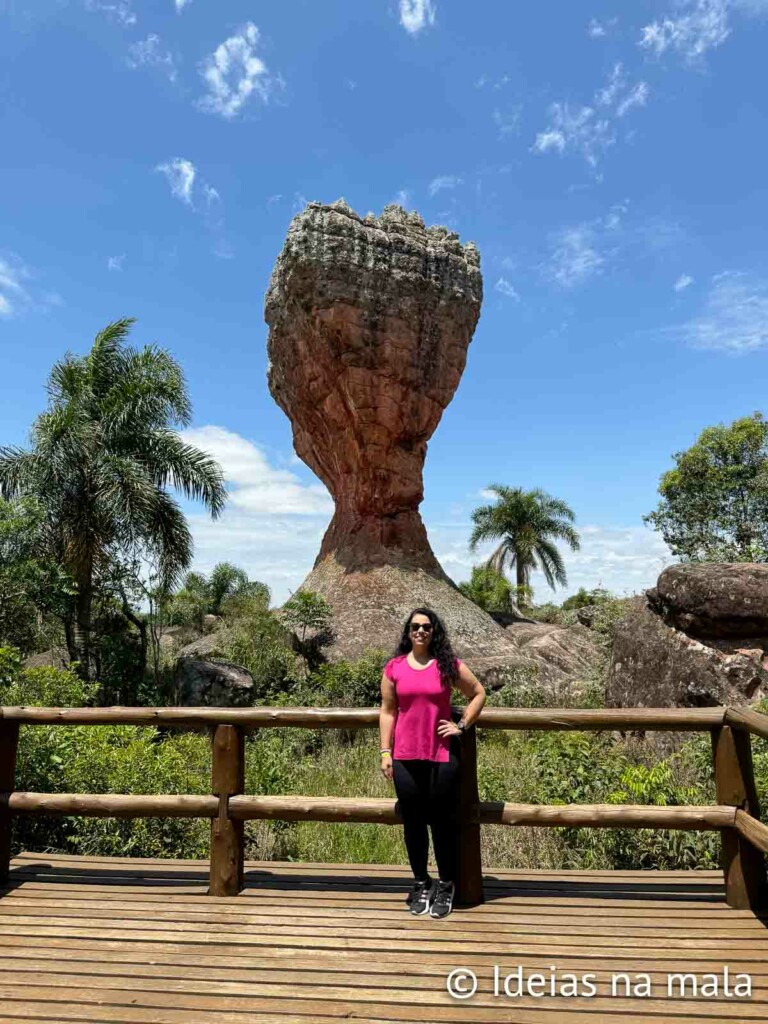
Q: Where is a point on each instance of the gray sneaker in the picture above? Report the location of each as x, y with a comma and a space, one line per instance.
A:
420, 896
442, 901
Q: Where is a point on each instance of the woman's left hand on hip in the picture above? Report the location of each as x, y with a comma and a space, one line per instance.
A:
447, 728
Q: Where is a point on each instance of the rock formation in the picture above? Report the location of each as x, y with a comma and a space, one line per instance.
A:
218, 684
698, 638
370, 320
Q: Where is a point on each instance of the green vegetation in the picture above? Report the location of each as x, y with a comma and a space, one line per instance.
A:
227, 590
490, 590
714, 503
528, 524
35, 591
102, 458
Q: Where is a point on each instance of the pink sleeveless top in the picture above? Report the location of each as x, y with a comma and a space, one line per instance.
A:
422, 701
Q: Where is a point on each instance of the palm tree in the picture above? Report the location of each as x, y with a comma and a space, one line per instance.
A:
527, 522
102, 457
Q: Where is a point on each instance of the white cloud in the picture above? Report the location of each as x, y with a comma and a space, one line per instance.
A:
697, 26
115, 262
445, 181
181, 177
188, 187
256, 487
151, 53
273, 523
575, 129
13, 294
504, 286
120, 10
734, 318
636, 97
622, 559
416, 14
595, 29
682, 282
508, 123
575, 257
578, 252
233, 73
589, 130
403, 198
181, 4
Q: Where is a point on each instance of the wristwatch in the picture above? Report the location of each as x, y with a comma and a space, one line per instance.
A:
461, 725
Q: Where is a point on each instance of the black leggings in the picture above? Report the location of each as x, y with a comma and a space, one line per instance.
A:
428, 792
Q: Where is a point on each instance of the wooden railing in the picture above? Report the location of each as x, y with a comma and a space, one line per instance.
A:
736, 814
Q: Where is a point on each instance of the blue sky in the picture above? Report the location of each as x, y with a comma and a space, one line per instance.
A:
608, 159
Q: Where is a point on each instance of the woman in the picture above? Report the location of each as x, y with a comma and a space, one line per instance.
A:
424, 763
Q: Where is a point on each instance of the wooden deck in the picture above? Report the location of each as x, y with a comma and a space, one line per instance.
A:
121, 940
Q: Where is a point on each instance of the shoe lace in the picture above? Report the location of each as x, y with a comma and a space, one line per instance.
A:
419, 888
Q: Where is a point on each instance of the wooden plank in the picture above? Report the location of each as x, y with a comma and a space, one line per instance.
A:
432, 997
222, 964
322, 866
274, 902
316, 970
17, 902
396, 921
337, 1003
339, 938
371, 964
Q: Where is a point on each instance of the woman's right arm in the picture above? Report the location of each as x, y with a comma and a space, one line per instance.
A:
387, 717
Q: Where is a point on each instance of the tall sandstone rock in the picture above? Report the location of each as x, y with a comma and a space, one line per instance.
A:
370, 320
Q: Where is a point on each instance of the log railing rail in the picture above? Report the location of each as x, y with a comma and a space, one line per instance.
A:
736, 815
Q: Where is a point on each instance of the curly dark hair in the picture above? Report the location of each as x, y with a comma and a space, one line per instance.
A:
440, 646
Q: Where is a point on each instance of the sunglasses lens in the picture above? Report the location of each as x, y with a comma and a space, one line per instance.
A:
421, 626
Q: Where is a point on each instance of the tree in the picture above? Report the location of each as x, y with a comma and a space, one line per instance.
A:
528, 522
307, 610
714, 503
103, 456
583, 598
490, 590
226, 591
33, 587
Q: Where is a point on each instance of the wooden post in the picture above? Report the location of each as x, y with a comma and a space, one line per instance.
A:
9, 741
228, 779
743, 864
469, 890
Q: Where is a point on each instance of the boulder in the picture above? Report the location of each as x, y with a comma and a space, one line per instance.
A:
714, 600
587, 614
656, 665
218, 684
564, 655
202, 647
56, 657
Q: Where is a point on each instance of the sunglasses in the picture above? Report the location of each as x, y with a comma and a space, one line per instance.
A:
416, 626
